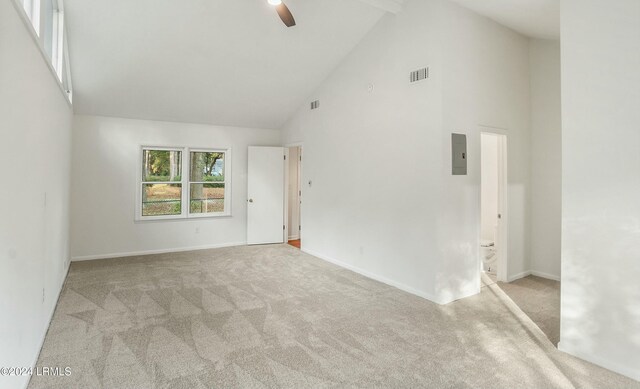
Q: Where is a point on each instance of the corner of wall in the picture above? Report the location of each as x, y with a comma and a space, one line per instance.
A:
577, 351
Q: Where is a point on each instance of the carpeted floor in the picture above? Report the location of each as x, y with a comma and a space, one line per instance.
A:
539, 298
272, 316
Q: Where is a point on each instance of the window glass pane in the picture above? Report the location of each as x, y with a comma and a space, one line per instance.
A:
207, 198
32, 9
161, 199
207, 167
48, 13
161, 165
58, 44
28, 8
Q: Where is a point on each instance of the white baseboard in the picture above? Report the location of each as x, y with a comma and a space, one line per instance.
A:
632, 372
518, 276
462, 294
53, 310
150, 252
294, 237
532, 273
545, 275
384, 280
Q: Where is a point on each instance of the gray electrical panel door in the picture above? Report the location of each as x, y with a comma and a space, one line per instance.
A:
459, 154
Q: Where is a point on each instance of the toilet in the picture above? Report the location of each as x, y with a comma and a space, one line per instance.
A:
489, 257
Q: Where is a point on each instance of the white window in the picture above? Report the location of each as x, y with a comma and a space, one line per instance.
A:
207, 183
162, 189
183, 183
58, 44
53, 33
66, 71
32, 9
47, 19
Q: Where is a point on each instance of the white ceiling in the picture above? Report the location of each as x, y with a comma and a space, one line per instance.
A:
232, 62
534, 18
225, 62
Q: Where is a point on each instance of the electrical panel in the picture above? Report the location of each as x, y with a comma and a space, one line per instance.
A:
459, 154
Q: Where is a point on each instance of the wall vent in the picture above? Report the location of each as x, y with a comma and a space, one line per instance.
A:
419, 75
315, 104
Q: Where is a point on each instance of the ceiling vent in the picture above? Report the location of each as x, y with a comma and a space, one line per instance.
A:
419, 75
315, 104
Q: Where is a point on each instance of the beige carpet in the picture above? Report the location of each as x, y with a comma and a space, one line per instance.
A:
539, 298
272, 316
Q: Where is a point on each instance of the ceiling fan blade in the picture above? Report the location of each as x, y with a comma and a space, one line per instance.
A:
285, 15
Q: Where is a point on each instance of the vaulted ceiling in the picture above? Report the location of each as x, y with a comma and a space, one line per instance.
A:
226, 62
231, 62
533, 18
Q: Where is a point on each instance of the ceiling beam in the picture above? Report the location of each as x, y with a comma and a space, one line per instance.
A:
392, 6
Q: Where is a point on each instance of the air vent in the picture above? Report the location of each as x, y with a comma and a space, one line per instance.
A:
419, 75
315, 104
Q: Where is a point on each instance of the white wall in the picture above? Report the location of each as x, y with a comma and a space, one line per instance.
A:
383, 201
489, 187
361, 150
104, 184
486, 70
294, 199
35, 149
546, 158
600, 318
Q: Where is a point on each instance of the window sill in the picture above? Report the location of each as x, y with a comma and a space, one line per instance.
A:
145, 219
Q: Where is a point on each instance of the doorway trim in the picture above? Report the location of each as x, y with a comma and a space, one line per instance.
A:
286, 187
502, 240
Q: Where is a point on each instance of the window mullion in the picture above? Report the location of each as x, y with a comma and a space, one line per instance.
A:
186, 157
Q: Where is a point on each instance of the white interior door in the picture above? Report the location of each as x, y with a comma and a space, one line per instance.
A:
266, 197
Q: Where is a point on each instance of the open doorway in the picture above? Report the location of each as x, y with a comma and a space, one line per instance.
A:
294, 194
493, 215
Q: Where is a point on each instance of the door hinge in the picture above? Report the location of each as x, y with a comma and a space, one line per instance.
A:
285, 157
283, 227
299, 228
301, 158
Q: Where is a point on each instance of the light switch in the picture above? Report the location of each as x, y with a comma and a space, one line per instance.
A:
458, 154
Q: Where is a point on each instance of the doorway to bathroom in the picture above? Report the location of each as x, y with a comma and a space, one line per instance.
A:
493, 210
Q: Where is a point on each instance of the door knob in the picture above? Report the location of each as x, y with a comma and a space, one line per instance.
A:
251, 200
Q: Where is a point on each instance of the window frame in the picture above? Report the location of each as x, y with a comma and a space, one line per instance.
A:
31, 13
65, 72
58, 39
54, 20
185, 182
32, 9
227, 183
